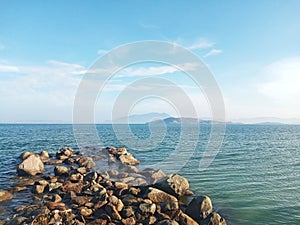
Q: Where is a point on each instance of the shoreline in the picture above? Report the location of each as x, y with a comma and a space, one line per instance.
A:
70, 191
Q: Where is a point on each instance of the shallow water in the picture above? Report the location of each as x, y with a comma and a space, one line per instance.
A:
254, 179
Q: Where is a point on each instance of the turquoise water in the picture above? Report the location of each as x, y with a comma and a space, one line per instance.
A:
254, 179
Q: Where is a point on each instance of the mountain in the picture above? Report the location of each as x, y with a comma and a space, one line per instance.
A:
142, 118
186, 120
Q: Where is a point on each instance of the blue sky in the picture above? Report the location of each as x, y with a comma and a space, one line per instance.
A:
252, 48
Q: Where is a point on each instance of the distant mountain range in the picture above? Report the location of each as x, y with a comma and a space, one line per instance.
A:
155, 117
141, 118
185, 120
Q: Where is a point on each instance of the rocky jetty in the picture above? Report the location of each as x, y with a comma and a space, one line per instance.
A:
74, 193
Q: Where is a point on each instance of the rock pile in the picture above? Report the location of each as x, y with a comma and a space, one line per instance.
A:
75, 194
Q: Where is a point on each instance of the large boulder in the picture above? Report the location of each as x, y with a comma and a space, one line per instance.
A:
5, 195
173, 184
199, 208
31, 165
158, 196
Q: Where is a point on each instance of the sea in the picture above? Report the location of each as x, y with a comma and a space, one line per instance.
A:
253, 178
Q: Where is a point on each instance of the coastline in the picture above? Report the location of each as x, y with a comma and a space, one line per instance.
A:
77, 194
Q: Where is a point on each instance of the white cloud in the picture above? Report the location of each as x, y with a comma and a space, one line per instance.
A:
201, 44
155, 70
102, 52
282, 80
213, 52
42, 92
8, 68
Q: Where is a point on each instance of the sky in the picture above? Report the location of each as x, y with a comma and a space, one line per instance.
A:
251, 48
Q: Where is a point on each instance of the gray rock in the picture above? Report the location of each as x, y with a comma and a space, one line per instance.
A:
32, 165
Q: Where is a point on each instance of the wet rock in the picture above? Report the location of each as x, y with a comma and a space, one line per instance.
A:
199, 208
61, 171
32, 165
5, 195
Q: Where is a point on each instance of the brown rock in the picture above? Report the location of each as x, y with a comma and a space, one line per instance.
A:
128, 159
61, 171
44, 156
86, 162
32, 165
38, 189
184, 219
120, 185
157, 175
76, 177
213, 219
199, 208
82, 170
25, 155
56, 205
69, 186
173, 184
158, 196
54, 162
147, 208
127, 212
128, 221
64, 153
112, 211
5, 195
167, 222
84, 211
